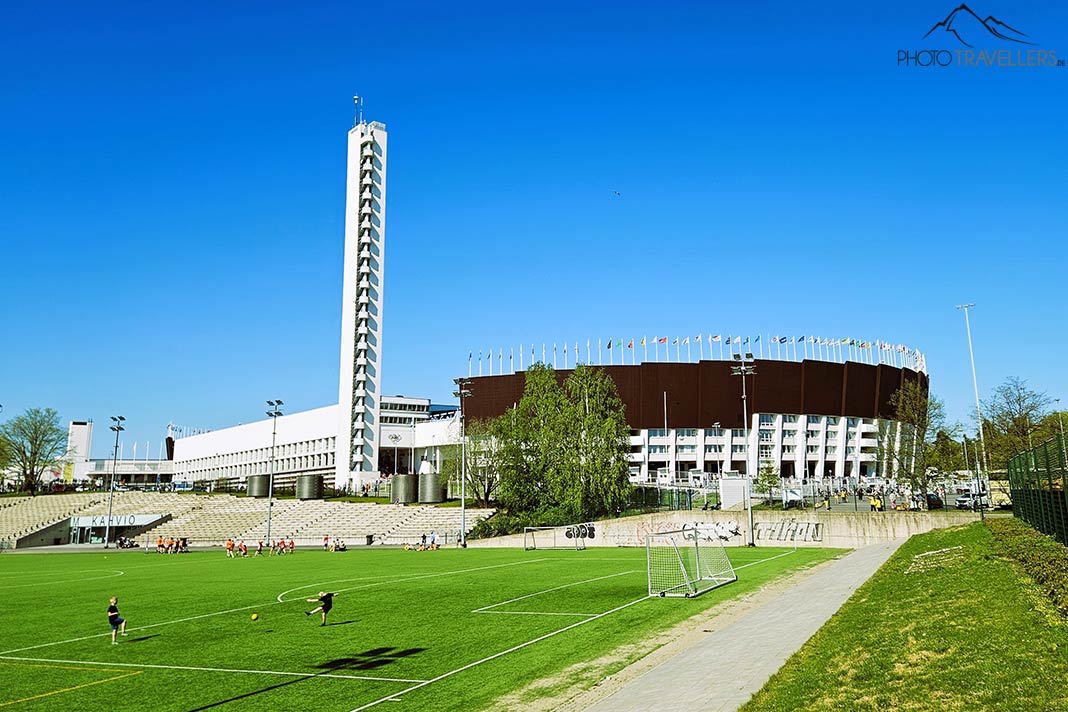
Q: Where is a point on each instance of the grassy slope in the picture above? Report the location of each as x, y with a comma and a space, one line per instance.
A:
972, 635
400, 615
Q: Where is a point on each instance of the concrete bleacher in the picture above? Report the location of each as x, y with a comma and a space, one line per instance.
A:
208, 520
29, 514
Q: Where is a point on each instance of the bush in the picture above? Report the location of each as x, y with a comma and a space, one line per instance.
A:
1041, 557
506, 523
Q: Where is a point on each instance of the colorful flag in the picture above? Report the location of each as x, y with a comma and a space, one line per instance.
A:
643, 341
662, 340
675, 341
697, 338
619, 343
737, 339
630, 344
757, 339
717, 337
609, 344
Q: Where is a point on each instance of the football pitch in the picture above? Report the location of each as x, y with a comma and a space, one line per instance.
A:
436, 630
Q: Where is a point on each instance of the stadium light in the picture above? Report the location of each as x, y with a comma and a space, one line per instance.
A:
274, 412
745, 368
975, 385
1064, 448
462, 391
116, 425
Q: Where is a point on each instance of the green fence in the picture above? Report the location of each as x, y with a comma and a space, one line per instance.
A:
1038, 480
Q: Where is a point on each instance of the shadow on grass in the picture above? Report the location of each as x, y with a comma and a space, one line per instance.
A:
367, 660
143, 638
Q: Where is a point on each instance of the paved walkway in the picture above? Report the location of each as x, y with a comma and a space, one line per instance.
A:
723, 671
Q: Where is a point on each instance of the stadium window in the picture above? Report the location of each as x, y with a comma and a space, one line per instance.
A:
832, 434
713, 432
812, 434
767, 436
832, 450
788, 449
737, 432
813, 420
766, 451
789, 419
852, 422
657, 433
812, 449
686, 432
832, 421
687, 449
658, 449
737, 448
767, 419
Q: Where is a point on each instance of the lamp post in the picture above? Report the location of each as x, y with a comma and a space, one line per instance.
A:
116, 425
274, 411
975, 383
745, 368
462, 391
1060, 420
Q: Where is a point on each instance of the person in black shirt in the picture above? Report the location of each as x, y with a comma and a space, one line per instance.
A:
117, 623
325, 601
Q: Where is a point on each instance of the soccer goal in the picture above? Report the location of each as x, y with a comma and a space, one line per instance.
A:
572, 536
686, 562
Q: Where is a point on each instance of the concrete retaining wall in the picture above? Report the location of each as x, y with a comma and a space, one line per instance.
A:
835, 529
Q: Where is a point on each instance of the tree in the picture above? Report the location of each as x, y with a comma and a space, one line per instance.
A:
1012, 415
482, 477
562, 451
910, 446
767, 480
35, 442
947, 453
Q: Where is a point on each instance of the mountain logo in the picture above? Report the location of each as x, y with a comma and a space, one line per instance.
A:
968, 28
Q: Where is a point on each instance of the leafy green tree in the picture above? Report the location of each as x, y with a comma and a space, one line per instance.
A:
35, 442
482, 477
767, 480
910, 447
1015, 420
562, 450
947, 453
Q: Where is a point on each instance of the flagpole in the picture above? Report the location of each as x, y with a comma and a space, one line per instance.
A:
588, 359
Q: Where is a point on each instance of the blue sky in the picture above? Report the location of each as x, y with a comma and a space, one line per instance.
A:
173, 192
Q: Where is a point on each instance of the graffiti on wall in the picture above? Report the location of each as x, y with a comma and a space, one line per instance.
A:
788, 530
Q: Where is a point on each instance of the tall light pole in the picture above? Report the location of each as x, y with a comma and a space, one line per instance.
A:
1060, 419
274, 411
116, 425
975, 383
462, 391
745, 368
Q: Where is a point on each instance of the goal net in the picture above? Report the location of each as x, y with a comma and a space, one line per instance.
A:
572, 536
686, 562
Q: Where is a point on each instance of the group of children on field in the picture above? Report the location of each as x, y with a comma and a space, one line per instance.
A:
171, 545
278, 547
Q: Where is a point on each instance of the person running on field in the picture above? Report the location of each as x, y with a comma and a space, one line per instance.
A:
325, 601
118, 623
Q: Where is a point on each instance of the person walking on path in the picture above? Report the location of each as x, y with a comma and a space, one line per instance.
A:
118, 623
325, 601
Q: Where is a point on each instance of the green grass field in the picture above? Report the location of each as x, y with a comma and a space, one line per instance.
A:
444, 630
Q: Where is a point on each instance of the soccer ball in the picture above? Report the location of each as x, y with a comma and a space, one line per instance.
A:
255, 616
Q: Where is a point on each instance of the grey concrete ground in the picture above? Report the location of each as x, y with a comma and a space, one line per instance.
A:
723, 671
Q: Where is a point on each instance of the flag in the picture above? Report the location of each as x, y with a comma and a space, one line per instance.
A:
746, 342
686, 340
716, 338
737, 339
757, 339
697, 338
676, 340
792, 341
619, 343
662, 340
609, 344
630, 344
643, 341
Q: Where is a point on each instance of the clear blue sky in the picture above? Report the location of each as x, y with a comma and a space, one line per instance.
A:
172, 182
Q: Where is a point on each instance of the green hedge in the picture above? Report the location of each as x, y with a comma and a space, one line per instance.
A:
1042, 557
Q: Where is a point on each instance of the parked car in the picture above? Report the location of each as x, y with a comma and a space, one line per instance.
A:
970, 501
934, 501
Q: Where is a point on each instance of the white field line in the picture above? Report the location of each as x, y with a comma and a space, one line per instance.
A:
409, 578
534, 613
550, 590
394, 696
211, 669
54, 581
140, 627
770, 558
234, 610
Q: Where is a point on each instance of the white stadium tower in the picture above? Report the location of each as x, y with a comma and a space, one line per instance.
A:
360, 380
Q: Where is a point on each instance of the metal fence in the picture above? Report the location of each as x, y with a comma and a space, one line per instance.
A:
1038, 481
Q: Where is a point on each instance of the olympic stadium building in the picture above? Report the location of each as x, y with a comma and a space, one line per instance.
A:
809, 420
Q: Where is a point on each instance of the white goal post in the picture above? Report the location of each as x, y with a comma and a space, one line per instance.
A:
572, 536
686, 562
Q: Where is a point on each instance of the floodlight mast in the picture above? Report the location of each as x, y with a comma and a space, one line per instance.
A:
745, 368
274, 412
462, 391
117, 421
